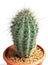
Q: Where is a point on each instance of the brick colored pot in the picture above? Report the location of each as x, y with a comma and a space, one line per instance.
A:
39, 62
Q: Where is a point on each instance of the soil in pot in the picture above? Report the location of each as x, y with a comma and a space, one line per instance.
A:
12, 56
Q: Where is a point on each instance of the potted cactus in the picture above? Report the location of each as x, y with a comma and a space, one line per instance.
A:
24, 51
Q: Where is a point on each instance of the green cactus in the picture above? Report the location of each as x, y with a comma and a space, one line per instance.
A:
24, 30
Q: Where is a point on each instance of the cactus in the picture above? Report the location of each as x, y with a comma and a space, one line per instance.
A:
24, 30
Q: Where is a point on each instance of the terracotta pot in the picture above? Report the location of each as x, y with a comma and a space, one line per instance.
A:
39, 62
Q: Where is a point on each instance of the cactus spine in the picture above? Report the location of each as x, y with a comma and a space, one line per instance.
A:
24, 30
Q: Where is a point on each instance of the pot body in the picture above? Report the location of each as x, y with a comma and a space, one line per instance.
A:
11, 63
36, 64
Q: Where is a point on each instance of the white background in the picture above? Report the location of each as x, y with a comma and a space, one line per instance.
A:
8, 8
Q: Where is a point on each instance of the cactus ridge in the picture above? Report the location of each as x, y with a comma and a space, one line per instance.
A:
24, 30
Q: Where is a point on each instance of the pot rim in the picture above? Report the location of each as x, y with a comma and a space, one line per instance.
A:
35, 63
